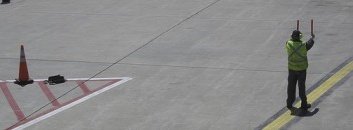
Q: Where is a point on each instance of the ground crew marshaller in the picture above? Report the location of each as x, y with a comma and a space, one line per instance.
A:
297, 65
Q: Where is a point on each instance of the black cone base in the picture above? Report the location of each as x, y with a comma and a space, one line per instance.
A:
23, 83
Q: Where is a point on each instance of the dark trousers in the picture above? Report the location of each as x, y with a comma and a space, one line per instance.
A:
293, 78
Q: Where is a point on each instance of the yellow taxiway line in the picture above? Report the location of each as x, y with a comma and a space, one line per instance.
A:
314, 95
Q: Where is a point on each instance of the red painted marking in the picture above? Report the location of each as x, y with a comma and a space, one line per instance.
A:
83, 87
48, 93
63, 104
12, 102
107, 84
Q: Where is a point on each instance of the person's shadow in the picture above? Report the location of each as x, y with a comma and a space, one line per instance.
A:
303, 113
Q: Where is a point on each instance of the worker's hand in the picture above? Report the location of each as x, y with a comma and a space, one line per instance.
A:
312, 36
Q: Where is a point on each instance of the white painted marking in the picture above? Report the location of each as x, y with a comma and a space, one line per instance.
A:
71, 79
36, 120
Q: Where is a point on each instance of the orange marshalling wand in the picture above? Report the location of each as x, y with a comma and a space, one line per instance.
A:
312, 26
23, 77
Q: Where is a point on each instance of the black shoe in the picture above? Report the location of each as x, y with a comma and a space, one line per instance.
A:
5, 3
305, 106
290, 107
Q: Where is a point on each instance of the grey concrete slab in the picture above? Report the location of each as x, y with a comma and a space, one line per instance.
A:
210, 36
77, 37
254, 10
195, 64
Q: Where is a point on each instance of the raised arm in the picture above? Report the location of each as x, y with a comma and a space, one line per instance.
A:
310, 43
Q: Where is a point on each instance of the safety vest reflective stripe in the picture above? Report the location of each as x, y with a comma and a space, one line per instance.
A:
295, 51
297, 59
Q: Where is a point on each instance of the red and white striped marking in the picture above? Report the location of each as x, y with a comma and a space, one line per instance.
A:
48, 93
12, 102
57, 106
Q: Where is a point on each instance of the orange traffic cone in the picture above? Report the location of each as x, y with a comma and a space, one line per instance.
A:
23, 77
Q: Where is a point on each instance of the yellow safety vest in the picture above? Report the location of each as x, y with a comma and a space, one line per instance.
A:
297, 55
